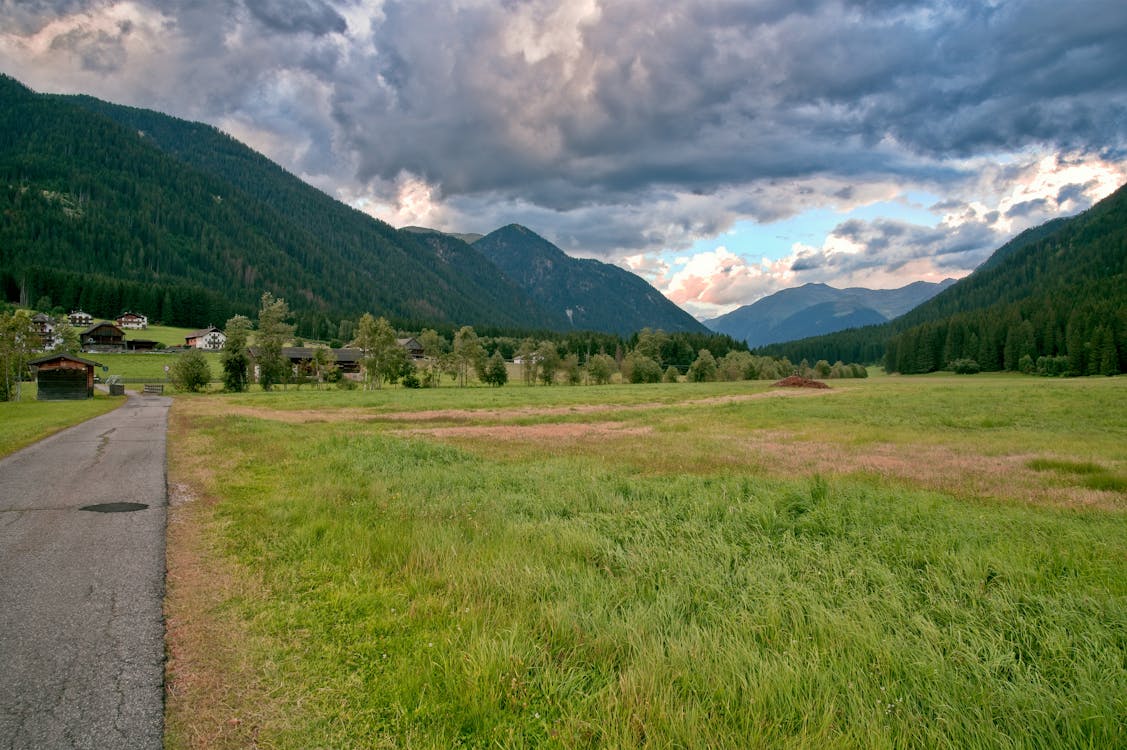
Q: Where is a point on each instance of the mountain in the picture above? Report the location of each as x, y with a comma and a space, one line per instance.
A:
815, 309
467, 237
1052, 300
588, 293
107, 208
456, 251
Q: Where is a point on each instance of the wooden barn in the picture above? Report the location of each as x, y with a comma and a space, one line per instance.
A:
413, 347
63, 377
103, 337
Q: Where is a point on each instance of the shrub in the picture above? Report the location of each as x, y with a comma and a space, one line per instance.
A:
964, 367
190, 372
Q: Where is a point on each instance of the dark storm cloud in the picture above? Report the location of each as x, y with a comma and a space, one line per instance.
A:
605, 119
290, 16
697, 97
1025, 208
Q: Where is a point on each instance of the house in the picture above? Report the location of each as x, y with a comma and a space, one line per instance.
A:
132, 321
102, 337
413, 347
79, 319
210, 339
44, 326
346, 360
63, 377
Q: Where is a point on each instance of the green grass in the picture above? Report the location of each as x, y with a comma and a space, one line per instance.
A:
167, 335
144, 365
666, 588
25, 422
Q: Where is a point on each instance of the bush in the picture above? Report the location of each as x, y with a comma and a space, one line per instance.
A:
190, 372
964, 367
1053, 366
672, 375
638, 368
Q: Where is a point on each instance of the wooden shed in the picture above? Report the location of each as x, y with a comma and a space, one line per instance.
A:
63, 377
103, 337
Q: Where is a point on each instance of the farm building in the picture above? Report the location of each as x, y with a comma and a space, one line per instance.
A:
45, 329
413, 347
210, 339
132, 320
80, 319
63, 377
347, 360
141, 345
102, 337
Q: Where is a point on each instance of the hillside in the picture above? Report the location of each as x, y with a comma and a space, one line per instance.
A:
1052, 300
815, 309
589, 293
107, 208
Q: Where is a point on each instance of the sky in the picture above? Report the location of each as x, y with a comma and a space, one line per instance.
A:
722, 150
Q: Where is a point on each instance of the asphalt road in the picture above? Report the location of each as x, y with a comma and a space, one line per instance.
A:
81, 626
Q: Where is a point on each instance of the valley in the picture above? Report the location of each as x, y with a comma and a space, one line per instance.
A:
688, 564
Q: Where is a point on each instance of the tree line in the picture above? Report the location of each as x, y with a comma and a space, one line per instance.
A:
1053, 301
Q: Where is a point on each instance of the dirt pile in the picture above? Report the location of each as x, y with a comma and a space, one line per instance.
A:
794, 381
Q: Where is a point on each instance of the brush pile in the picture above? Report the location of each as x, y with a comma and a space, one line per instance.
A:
794, 381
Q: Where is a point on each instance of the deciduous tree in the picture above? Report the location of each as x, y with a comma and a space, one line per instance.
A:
274, 330
190, 372
383, 356
468, 352
233, 356
496, 374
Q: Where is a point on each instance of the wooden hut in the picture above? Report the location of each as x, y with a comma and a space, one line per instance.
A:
63, 377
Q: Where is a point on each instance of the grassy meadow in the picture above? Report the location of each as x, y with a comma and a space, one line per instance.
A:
897, 562
27, 421
135, 366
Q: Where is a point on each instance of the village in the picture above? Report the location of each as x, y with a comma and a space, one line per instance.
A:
62, 374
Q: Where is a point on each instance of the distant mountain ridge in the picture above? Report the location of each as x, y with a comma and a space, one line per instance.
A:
816, 309
1052, 300
589, 293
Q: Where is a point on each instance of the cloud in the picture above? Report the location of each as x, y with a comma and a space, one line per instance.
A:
291, 16
628, 128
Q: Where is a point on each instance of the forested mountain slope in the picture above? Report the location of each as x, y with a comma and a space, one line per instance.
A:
1052, 300
108, 208
589, 293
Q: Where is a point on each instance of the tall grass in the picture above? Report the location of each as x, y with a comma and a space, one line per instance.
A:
400, 591
25, 422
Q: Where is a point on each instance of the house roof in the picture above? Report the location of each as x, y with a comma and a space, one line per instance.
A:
71, 357
102, 324
128, 314
42, 318
203, 332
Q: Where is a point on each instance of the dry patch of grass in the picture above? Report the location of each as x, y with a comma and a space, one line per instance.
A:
333, 415
783, 454
213, 696
549, 433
